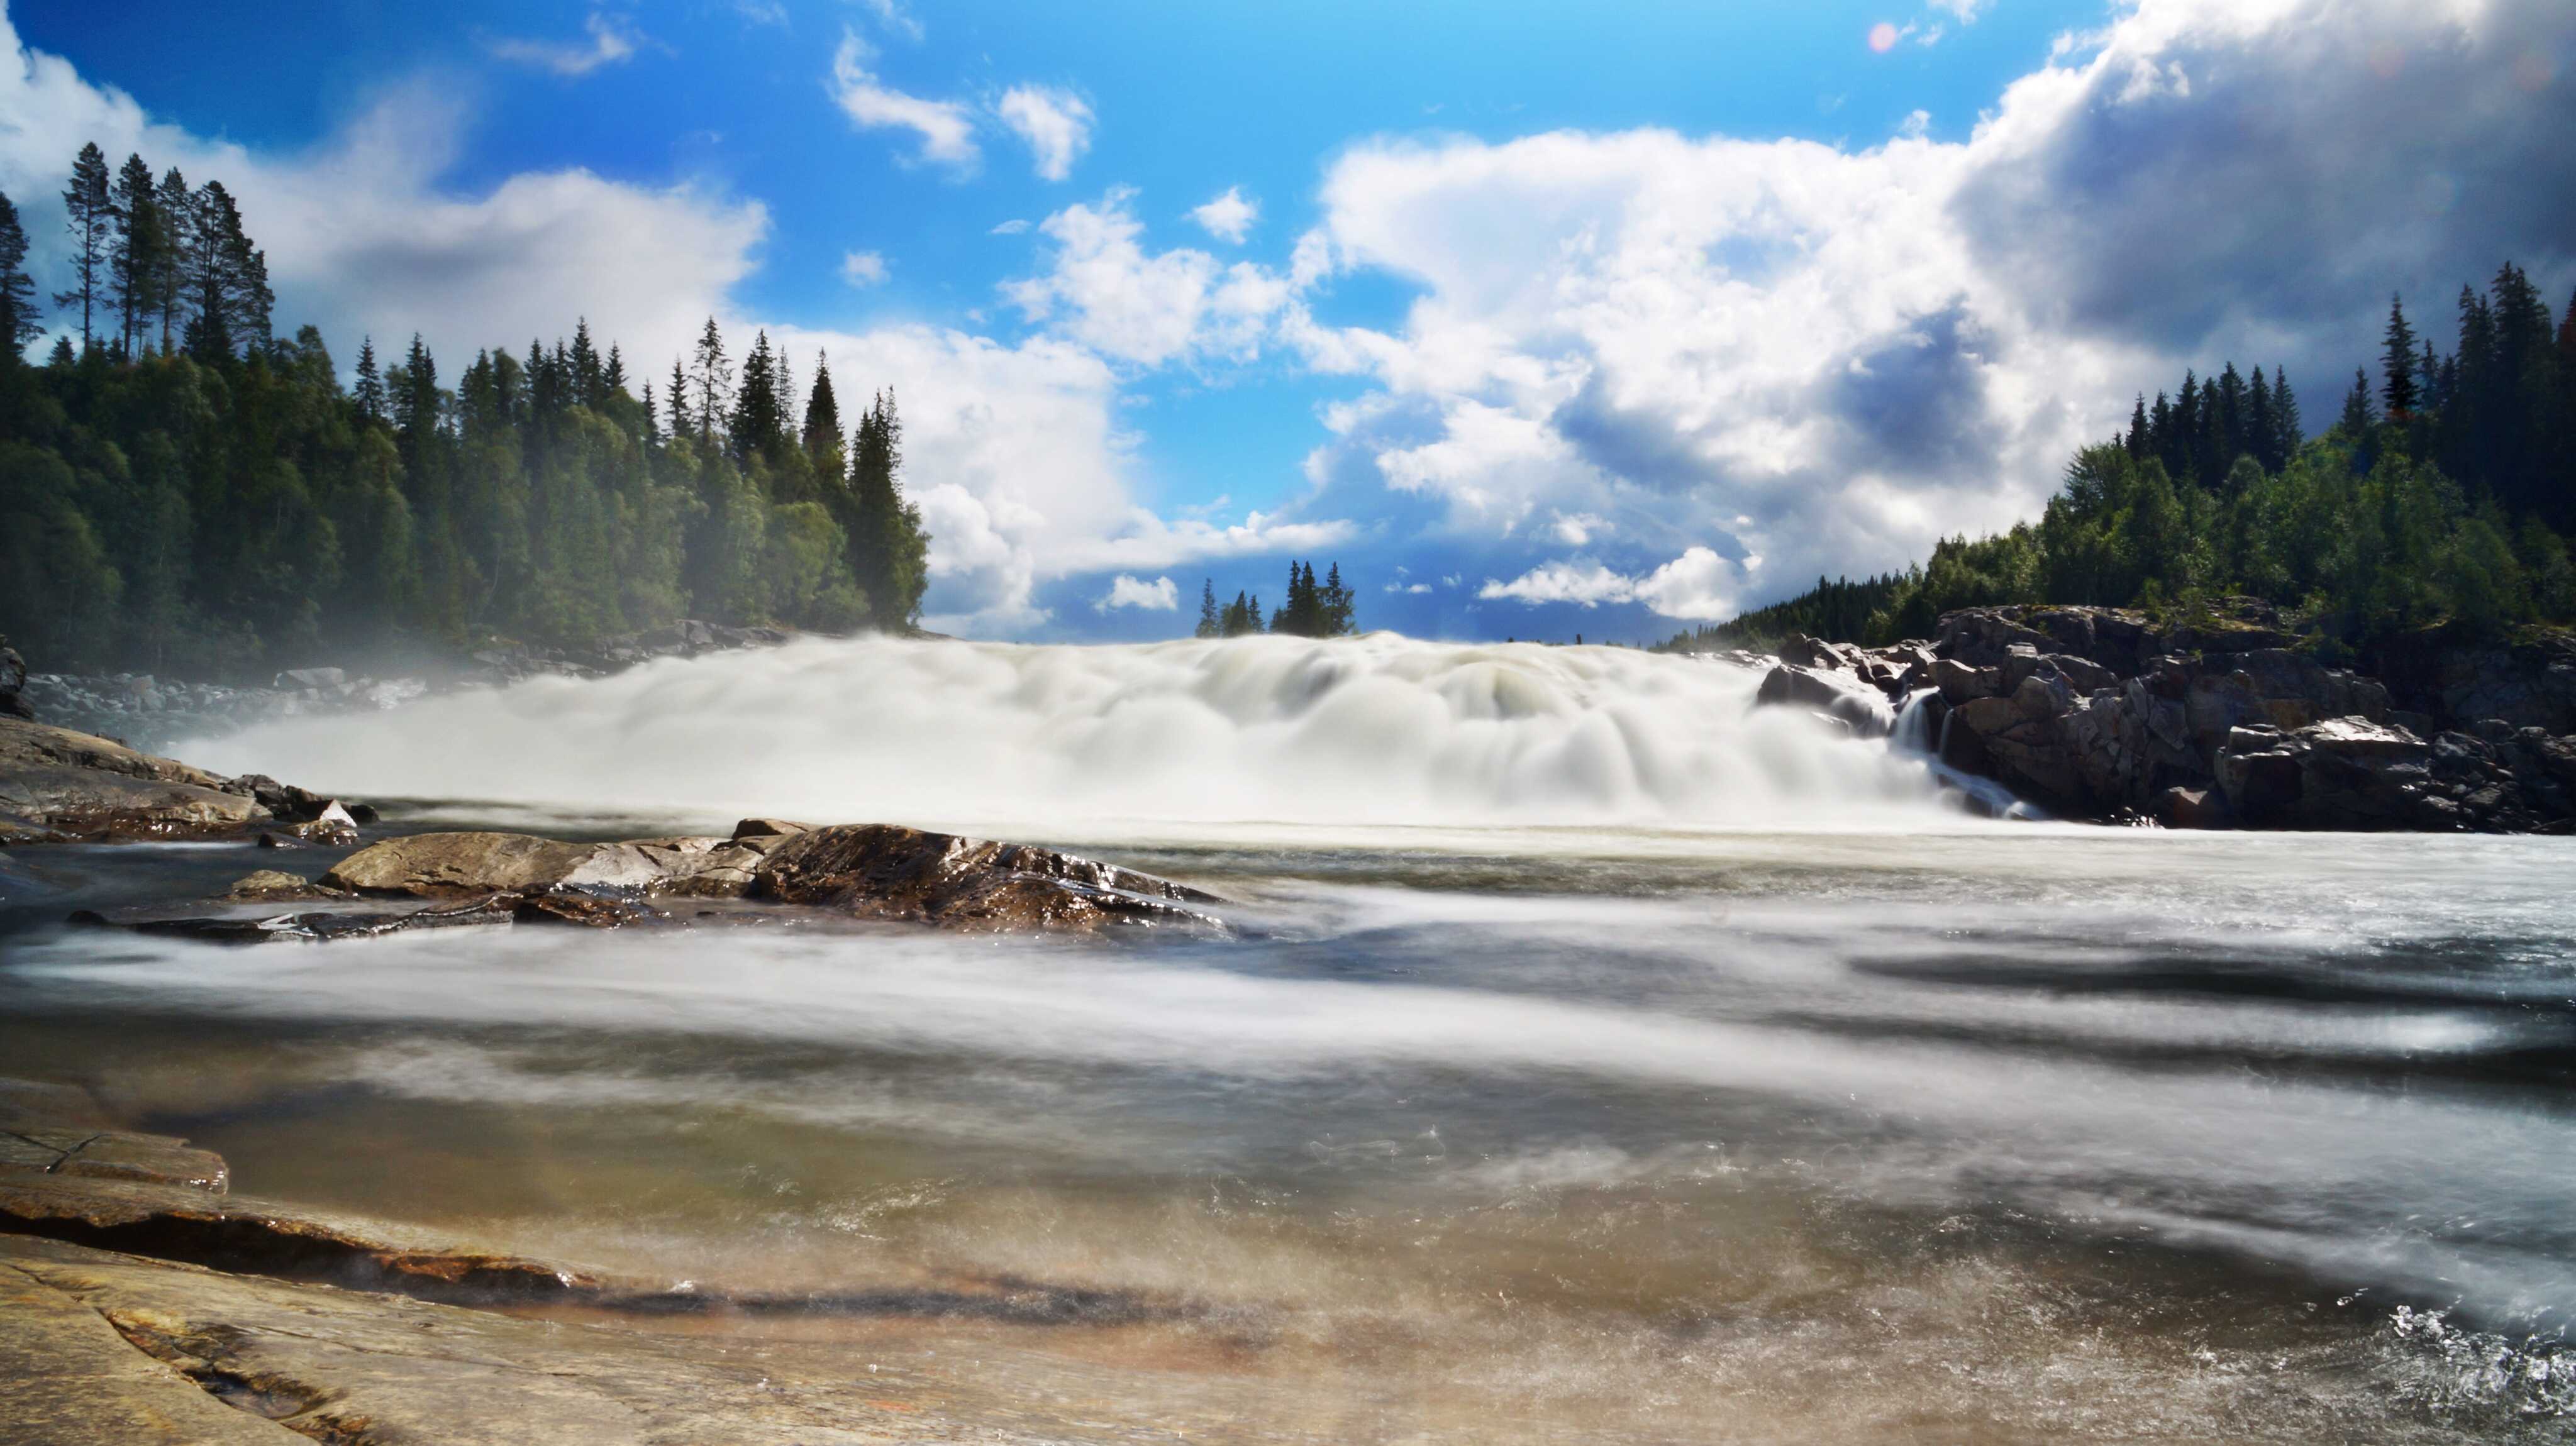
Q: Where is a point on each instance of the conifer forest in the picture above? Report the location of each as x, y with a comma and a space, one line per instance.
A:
186, 491
2442, 495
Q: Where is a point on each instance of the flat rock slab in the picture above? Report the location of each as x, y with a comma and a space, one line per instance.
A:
67, 1378
72, 1153
58, 785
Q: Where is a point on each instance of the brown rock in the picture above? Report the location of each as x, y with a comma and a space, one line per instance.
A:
883, 871
434, 865
111, 1155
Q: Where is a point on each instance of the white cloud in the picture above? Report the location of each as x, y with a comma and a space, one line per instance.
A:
1697, 584
1822, 360
1056, 124
362, 238
946, 128
863, 268
1229, 217
1011, 227
1107, 293
1128, 592
1966, 11
608, 45
894, 17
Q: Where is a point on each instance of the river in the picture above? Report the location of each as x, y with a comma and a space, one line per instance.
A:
1594, 1057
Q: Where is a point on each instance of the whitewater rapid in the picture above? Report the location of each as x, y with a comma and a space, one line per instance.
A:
1359, 731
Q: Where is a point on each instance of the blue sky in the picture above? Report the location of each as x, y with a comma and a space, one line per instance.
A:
1539, 318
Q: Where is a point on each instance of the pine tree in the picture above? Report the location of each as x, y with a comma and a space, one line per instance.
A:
370, 391
226, 277
90, 212
1209, 625
711, 378
2360, 414
18, 321
678, 395
2287, 432
889, 552
2259, 431
589, 379
1340, 613
2137, 440
612, 377
134, 258
759, 421
822, 435
175, 205
2397, 363
652, 419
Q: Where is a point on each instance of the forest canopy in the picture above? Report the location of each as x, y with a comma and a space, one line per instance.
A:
185, 491
2442, 496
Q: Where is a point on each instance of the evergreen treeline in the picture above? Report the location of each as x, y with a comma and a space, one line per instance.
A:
1313, 609
185, 492
2439, 497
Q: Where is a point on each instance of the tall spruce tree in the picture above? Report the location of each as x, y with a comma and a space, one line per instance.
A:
369, 393
889, 552
134, 258
227, 278
2397, 363
89, 207
822, 436
759, 422
678, 396
711, 381
1210, 626
172, 203
19, 323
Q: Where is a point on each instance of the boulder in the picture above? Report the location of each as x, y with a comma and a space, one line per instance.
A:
13, 679
1960, 682
2340, 773
438, 865
1843, 697
884, 871
56, 784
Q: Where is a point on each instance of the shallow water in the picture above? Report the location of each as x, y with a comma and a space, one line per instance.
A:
1711, 1082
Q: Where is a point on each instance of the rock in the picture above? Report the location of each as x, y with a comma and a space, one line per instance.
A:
1840, 696
270, 886
439, 865
1960, 682
73, 1153
2202, 808
56, 784
883, 871
2341, 773
13, 681
234, 925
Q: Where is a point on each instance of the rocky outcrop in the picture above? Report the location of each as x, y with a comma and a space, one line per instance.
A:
58, 785
2103, 713
884, 871
13, 682
858, 871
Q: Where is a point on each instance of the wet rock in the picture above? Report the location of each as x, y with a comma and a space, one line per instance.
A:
13, 682
884, 871
222, 924
2198, 808
74, 1153
270, 886
1960, 681
56, 784
439, 865
1840, 696
2342, 774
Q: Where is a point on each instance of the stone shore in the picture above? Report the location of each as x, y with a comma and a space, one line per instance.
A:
2101, 714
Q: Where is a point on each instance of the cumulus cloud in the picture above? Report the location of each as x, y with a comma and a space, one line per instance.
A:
609, 44
1056, 124
946, 127
362, 239
863, 268
1780, 358
1128, 592
1106, 292
1229, 217
1697, 584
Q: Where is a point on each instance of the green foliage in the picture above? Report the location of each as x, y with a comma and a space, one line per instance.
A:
1313, 609
225, 506
2443, 510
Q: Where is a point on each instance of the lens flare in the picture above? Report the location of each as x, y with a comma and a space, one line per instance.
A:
1882, 37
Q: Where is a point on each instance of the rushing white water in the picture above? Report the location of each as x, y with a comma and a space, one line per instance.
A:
1379, 729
